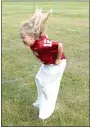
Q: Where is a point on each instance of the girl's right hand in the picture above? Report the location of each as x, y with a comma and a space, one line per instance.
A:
58, 61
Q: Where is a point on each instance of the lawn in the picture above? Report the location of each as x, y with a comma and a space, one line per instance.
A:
70, 23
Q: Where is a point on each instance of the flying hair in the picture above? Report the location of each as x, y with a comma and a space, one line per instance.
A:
35, 25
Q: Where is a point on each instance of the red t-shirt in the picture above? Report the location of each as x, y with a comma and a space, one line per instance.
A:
46, 50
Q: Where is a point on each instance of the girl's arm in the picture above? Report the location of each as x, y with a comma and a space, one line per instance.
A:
59, 53
46, 15
44, 34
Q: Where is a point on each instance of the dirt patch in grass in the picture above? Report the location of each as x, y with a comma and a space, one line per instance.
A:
81, 23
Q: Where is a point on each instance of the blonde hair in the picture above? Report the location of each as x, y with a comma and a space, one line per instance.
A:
35, 25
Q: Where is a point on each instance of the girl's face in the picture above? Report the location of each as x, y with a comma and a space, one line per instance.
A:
28, 40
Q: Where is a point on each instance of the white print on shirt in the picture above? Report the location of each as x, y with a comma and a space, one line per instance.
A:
36, 53
47, 43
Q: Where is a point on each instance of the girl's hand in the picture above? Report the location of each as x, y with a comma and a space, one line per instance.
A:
58, 61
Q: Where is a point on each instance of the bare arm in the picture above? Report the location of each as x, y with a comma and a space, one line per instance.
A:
46, 15
59, 54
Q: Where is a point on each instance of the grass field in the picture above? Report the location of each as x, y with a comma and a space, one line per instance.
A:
70, 23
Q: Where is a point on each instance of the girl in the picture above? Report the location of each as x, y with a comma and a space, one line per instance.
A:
53, 61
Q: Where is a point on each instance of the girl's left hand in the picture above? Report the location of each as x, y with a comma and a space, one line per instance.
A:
58, 61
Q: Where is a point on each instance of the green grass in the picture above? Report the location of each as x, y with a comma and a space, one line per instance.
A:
70, 23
